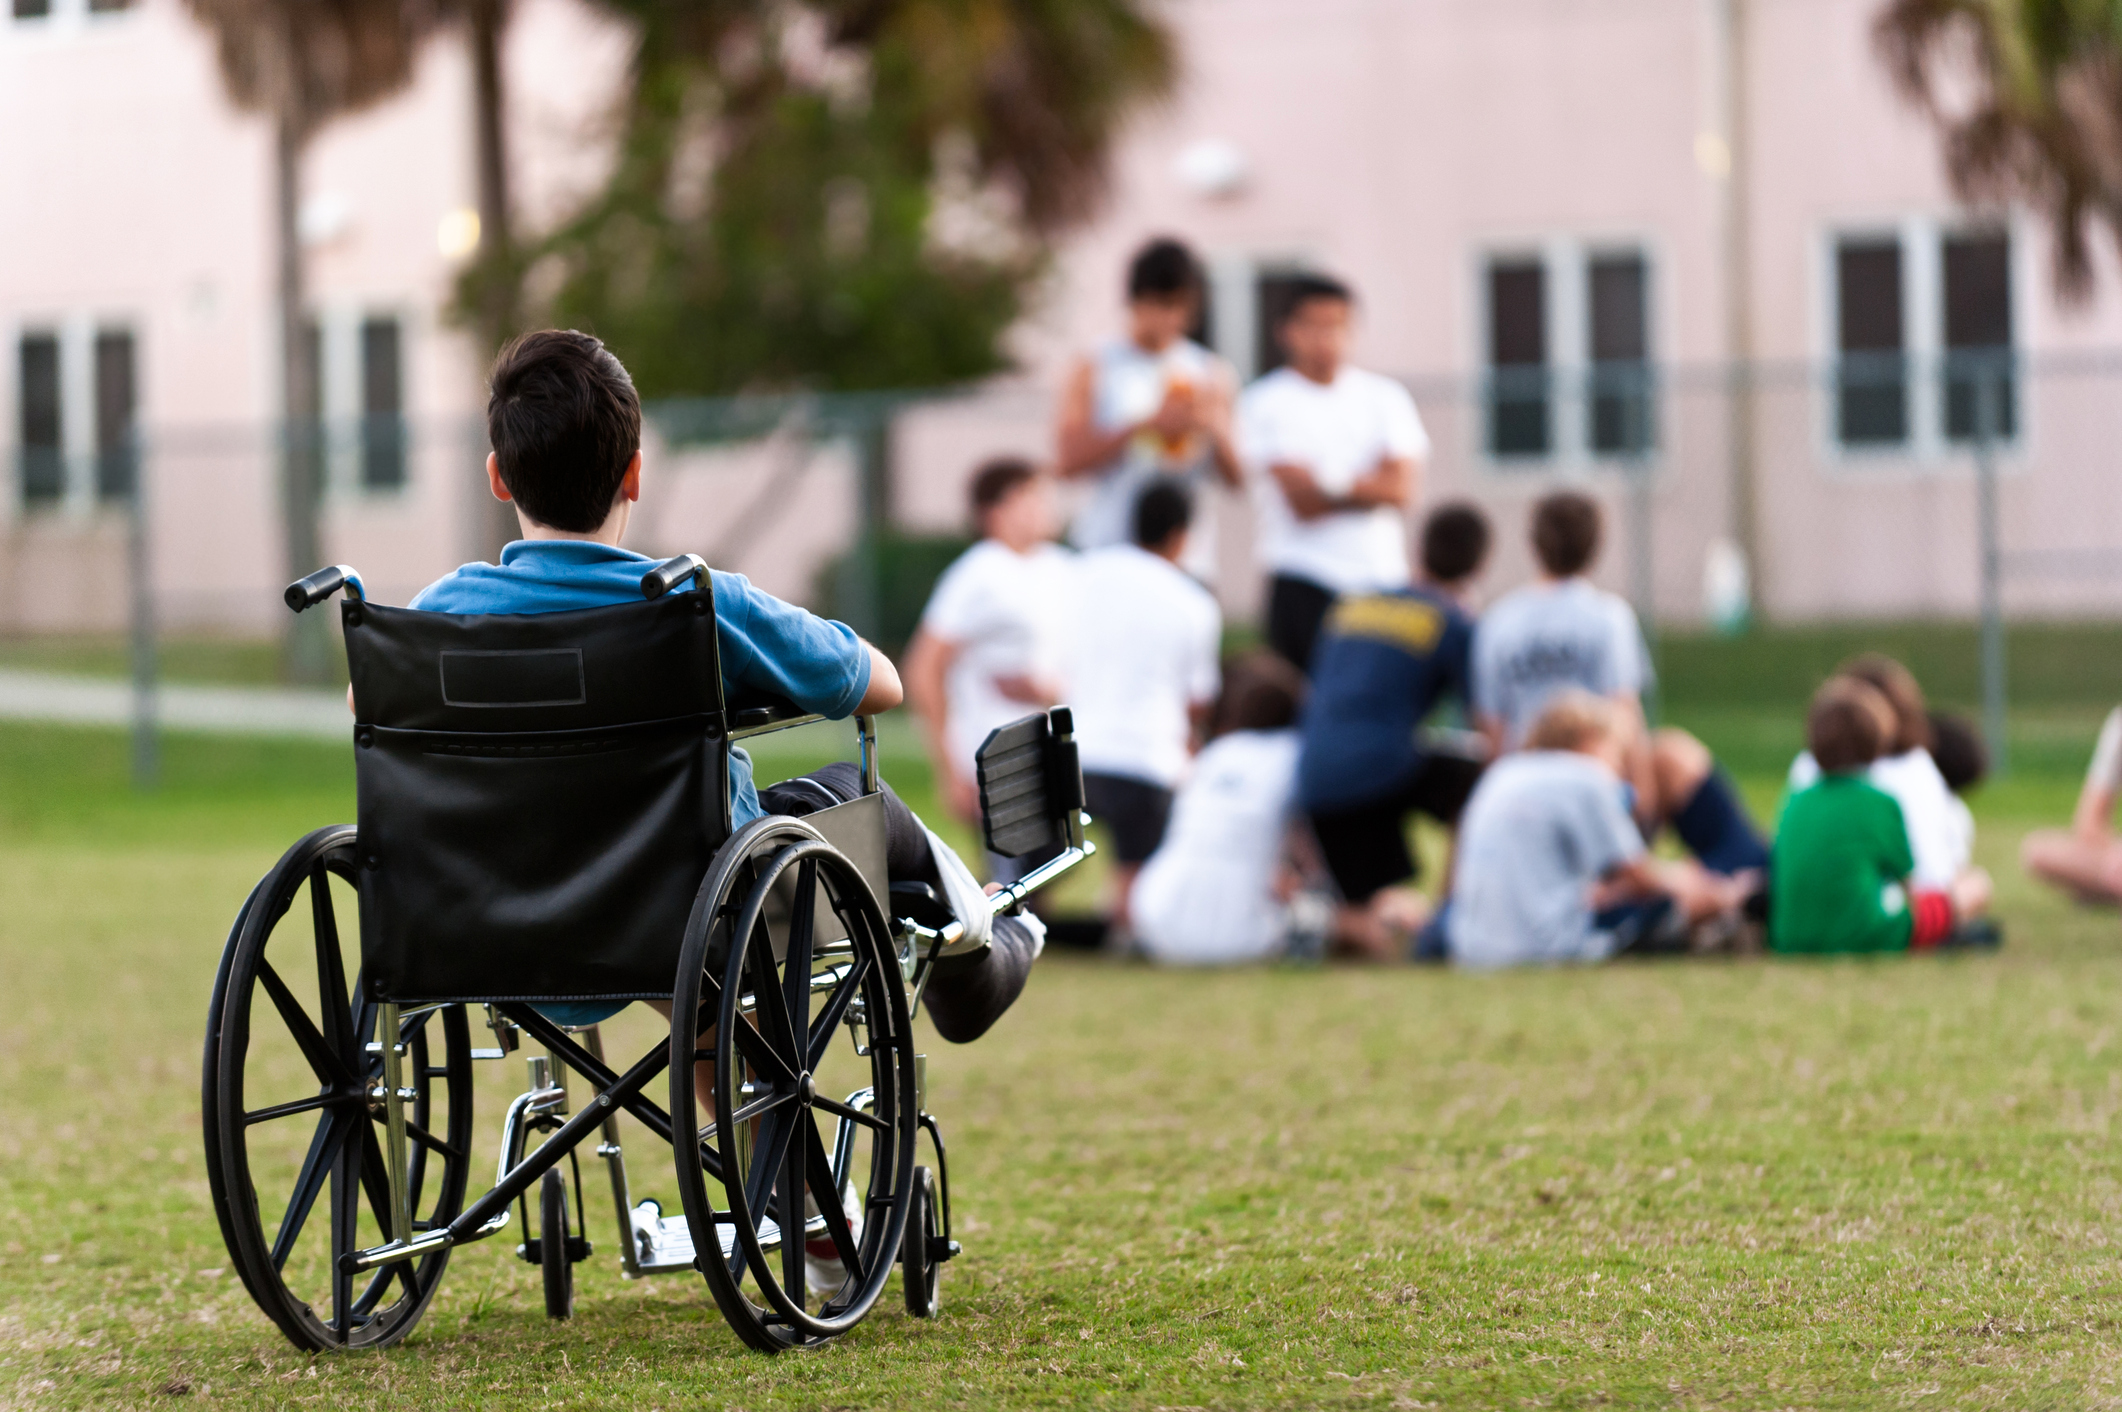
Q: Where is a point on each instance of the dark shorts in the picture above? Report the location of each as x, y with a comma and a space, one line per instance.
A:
1295, 609
1366, 847
1133, 811
1648, 926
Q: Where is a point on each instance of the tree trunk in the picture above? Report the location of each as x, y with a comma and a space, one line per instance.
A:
307, 648
500, 280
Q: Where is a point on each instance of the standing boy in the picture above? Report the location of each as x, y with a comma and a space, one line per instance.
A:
1383, 663
1147, 407
994, 641
1335, 452
1144, 678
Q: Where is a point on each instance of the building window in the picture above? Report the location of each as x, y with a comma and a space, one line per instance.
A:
1871, 374
32, 9
105, 7
43, 451
1518, 412
1274, 295
382, 405
1618, 319
1976, 272
116, 454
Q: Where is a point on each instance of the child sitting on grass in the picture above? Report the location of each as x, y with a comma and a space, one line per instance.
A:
1840, 876
1552, 868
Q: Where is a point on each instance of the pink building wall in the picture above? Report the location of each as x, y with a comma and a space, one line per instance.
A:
1398, 143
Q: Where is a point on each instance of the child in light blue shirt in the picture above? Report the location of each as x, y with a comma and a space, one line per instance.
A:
565, 425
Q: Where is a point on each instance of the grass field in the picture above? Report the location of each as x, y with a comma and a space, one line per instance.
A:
1743, 1184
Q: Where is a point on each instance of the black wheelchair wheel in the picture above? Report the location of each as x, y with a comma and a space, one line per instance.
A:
293, 1113
769, 998
918, 1270
552, 1246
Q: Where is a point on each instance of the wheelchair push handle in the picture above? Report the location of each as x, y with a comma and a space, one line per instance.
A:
671, 573
309, 592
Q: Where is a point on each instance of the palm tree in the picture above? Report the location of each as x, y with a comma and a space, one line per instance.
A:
771, 218
302, 63
2028, 95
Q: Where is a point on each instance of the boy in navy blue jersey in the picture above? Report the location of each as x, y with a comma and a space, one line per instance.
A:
1383, 663
565, 425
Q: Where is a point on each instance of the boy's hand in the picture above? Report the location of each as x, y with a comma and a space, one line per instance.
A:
961, 797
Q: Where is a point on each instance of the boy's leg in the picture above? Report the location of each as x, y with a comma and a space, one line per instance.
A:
967, 994
1365, 850
1134, 812
1703, 805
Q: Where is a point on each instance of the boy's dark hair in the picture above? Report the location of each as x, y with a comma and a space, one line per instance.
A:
1261, 692
1303, 289
1845, 728
1163, 269
1959, 751
1161, 511
1454, 542
564, 422
996, 480
1566, 532
1898, 685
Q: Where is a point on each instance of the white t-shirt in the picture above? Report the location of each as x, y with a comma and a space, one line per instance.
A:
1545, 637
1149, 637
1128, 385
1941, 828
1206, 896
1009, 614
1338, 431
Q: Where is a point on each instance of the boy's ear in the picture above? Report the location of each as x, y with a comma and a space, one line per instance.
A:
630, 483
493, 479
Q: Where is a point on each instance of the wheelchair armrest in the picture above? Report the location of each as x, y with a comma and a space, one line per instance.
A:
756, 712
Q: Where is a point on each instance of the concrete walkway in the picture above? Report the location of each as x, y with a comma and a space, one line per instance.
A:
218, 710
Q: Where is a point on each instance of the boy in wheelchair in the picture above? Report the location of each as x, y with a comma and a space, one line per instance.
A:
564, 422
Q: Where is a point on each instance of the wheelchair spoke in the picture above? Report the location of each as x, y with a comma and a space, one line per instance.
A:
795, 969
346, 1229
323, 1060
759, 1054
768, 1149
841, 1110
760, 1105
821, 1190
288, 1110
793, 1225
773, 1017
835, 1007
323, 1153
332, 999
432, 1143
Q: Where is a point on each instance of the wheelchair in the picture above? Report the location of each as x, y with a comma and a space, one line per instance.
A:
544, 820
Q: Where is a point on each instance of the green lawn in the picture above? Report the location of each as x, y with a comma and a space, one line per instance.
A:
1745, 1184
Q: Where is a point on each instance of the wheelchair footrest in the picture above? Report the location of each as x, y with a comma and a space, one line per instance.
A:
663, 1243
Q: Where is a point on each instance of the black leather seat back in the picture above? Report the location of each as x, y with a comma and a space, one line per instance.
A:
539, 796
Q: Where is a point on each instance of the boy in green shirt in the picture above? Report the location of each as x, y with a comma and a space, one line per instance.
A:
1839, 877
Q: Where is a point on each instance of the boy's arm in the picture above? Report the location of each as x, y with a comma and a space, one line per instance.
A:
928, 662
884, 690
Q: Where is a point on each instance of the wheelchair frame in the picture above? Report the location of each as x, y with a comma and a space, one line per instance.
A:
372, 1058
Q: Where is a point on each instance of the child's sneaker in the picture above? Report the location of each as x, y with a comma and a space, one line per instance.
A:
823, 1269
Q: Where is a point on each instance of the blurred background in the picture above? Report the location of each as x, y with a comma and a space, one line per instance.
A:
1818, 295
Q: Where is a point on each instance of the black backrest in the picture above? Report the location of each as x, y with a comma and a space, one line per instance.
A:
1030, 782
539, 795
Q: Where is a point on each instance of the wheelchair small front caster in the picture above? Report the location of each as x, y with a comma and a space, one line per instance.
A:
553, 1252
921, 1251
